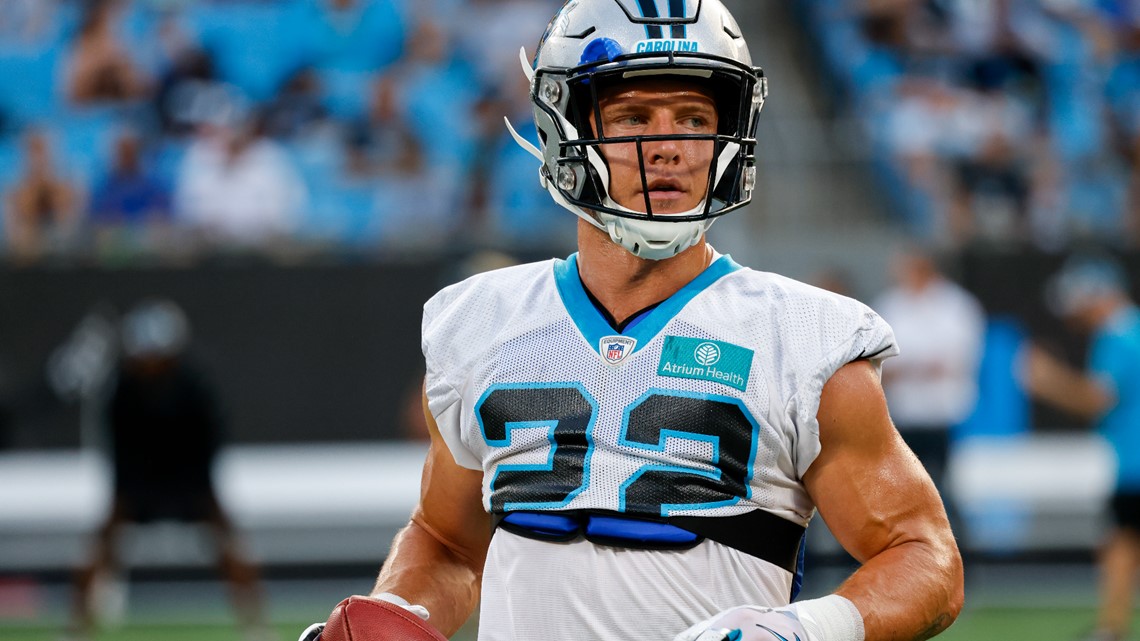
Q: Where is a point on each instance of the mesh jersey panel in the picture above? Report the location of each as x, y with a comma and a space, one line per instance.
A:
519, 392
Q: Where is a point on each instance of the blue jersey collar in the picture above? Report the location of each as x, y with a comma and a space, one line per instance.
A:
594, 327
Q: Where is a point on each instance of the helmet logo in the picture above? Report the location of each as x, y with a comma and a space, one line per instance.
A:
600, 50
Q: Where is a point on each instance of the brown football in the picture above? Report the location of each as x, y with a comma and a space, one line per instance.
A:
359, 618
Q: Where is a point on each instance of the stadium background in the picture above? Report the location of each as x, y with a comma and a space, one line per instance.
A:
1004, 134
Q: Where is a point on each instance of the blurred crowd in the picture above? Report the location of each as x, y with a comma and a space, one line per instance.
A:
1002, 122
134, 130
162, 130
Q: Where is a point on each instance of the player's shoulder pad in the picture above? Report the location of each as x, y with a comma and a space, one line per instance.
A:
789, 298
485, 295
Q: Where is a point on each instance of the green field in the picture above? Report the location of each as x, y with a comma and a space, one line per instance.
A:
982, 624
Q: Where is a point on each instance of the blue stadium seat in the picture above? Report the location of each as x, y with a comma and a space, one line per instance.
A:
32, 81
518, 207
167, 158
437, 104
86, 138
31, 65
1003, 409
373, 41
11, 162
347, 93
341, 212
255, 43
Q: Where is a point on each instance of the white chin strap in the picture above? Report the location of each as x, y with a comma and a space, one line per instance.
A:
649, 239
652, 239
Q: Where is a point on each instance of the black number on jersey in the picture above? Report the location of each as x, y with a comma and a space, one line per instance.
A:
722, 422
568, 413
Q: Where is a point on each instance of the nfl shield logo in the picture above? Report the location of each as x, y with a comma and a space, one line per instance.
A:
615, 349
614, 352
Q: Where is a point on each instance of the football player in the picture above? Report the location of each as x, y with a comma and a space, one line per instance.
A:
630, 442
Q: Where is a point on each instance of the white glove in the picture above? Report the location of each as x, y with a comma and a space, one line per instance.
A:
396, 599
748, 623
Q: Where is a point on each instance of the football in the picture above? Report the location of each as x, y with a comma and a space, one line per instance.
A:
359, 618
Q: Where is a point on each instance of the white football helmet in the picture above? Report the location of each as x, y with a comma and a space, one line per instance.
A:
590, 42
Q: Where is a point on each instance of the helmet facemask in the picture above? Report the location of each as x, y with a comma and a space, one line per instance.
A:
582, 171
566, 83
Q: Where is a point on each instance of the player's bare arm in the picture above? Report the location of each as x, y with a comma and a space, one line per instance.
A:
883, 508
437, 560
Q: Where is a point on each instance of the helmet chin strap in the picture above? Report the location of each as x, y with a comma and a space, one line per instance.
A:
652, 239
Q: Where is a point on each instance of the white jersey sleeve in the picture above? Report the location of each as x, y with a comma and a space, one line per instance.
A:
846, 331
459, 323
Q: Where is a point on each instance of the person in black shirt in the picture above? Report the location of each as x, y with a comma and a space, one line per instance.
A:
165, 431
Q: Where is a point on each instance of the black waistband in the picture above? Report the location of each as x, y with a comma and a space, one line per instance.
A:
757, 533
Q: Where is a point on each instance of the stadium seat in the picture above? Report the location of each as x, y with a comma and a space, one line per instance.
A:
32, 80
255, 43
1002, 408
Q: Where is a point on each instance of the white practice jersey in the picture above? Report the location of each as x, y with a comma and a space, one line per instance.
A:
706, 406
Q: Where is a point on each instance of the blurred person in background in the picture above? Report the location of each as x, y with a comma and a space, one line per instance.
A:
297, 106
100, 68
130, 208
1086, 192
165, 429
988, 118
1134, 195
510, 212
184, 70
236, 189
422, 153
993, 139
43, 208
932, 386
1091, 293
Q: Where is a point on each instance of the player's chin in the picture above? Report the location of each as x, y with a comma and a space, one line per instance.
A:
679, 204
672, 207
